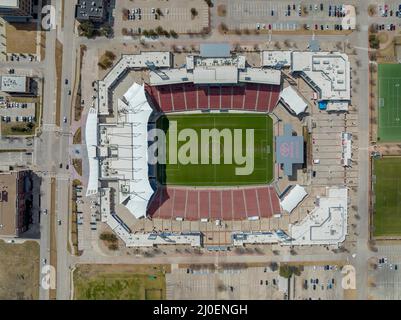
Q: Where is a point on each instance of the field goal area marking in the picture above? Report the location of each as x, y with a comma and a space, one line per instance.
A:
393, 112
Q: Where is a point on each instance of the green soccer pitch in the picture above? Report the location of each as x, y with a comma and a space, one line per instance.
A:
389, 102
387, 190
220, 174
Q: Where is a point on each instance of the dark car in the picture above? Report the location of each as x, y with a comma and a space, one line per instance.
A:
61, 165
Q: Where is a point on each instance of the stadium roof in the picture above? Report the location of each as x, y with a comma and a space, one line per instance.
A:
215, 50
128, 145
91, 131
293, 198
289, 150
292, 99
257, 75
221, 74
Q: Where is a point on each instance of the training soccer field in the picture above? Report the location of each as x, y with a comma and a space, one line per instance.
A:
387, 190
389, 102
219, 174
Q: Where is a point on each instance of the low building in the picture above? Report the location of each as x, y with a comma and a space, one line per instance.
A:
15, 198
346, 154
328, 73
15, 84
16, 10
327, 223
289, 150
91, 10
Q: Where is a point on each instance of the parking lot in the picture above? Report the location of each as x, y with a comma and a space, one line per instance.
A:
22, 159
170, 15
284, 16
319, 282
385, 281
259, 283
327, 148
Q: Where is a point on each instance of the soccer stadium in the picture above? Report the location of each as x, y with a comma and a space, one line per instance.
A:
217, 113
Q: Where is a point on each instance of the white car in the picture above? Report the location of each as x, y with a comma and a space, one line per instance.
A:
316, 161
45, 212
65, 119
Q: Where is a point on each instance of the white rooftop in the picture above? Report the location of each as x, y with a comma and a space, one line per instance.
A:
13, 83
276, 59
127, 159
9, 3
140, 61
293, 198
293, 100
328, 73
257, 75
327, 223
91, 131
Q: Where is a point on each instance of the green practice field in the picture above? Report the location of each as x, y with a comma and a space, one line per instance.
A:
387, 189
221, 172
389, 102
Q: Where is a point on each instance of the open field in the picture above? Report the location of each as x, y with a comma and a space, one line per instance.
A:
389, 103
19, 272
120, 282
222, 173
387, 189
21, 38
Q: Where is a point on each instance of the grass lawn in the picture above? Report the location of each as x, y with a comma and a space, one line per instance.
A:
120, 282
222, 173
389, 102
387, 188
19, 271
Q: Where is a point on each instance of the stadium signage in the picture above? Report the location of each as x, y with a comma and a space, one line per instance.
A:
187, 146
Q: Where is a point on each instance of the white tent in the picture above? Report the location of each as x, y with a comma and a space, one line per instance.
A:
293, 198
292, 99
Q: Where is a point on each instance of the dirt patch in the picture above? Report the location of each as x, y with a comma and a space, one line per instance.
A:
77, 163
21, 38
19, 272
77, 139
222, 10
382, 37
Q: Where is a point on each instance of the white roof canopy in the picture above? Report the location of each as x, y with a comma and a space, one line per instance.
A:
91, 146
292, 99
293, 198
135, 189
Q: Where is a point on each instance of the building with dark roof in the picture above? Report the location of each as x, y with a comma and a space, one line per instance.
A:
92, 10
15, 199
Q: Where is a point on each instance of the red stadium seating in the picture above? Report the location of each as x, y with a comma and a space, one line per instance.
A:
215, 204
250, 97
